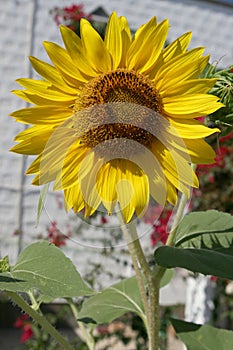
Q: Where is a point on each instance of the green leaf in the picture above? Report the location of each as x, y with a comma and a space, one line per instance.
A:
203, 337
4, 264
44, 267
112, 303
41, 201
116, 300
208, 262
166, 278
208, 229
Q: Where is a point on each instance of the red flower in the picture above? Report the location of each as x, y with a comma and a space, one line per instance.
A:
20, 321
27, 333
160, 227
70, 15
55, 236
104, 220
24, 324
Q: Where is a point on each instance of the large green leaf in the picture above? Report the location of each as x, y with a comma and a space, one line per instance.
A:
44, 267
113, 302
116, 300
198, 337
209, 262
209, 229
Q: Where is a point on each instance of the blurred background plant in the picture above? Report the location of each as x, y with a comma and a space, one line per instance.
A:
70, 16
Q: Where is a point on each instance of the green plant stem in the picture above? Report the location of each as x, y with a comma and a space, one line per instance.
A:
40, 319
159, 270
179, 215
87, 337
133, 253
34, 304
143, 274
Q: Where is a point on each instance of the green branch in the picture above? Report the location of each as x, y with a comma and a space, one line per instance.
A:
40, 319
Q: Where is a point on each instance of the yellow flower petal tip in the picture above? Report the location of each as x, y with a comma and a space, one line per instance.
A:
114, 120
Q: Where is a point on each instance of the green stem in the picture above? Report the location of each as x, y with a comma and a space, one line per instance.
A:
40, 319
130, 241
143, 273
179, 215
159, 270
34, 304
87, 337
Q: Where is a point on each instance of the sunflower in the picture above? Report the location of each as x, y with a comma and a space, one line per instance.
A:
114, 120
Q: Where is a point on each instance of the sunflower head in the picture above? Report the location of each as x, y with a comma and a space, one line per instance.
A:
114, 120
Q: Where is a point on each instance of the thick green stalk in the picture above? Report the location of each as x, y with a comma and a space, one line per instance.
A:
144, 276
159, 270
40, 319
130, 241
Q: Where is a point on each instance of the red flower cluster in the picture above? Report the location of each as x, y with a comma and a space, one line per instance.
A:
159, 219
160, 233
24, 324
55, 236
220, 159
69, 15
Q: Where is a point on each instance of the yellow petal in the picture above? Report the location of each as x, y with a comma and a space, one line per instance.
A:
191, 106
54, 154
69, 171
172, 195
45, 89
33, 131
197, 150
200, 151
51, 74
106, 185
32, 142
89, 189
156, 40
64, 64
126, 40
73, 198
34, 98
186, 66
113, 39
174, 49
42, 115
94, 48
35, 166
141, 193
195, 86
176, 168
125, 196
74, 48
189, 129
132, 189
147, 46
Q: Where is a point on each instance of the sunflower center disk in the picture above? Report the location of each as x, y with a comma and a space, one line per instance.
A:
122, 106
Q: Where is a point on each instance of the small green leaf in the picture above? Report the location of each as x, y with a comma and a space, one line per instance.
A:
203, 337
112, 303
4, 264
44, 267
207, 229
41, 201
166, 277
208, 262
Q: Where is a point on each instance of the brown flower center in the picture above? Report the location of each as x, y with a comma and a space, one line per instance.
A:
120, 105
